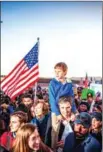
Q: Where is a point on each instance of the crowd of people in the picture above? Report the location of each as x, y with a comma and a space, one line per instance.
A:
57, 120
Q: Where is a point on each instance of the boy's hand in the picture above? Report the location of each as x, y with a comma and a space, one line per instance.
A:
60, 144
59, 118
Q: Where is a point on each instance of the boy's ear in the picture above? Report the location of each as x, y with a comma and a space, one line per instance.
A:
65, 72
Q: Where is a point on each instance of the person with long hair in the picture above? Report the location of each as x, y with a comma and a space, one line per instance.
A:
28, 140
17, 119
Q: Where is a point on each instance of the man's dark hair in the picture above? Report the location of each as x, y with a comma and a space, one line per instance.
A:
26, 95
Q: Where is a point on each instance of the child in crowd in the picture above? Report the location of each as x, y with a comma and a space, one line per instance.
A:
58, 87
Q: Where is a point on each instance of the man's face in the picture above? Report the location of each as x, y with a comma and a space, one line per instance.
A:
96, 124
83, 108
27, 101
79, 94
65, 109
80, 130
90, 99
59, 73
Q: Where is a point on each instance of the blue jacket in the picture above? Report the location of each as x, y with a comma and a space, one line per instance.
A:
57, 90
90, 144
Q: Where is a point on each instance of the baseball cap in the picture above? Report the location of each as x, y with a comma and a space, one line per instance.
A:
83, 118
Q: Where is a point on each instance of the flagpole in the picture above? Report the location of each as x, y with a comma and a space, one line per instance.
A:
36, 84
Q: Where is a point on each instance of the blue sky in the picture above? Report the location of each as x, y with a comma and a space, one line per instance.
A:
69, 31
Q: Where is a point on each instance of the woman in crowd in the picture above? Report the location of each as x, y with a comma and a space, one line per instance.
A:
41, 118
28, 140
96, 128
17, 119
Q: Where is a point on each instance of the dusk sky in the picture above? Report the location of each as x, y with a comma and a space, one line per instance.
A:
70, 32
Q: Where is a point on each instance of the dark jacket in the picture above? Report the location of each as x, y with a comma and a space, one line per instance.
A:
98, 136
42, 124
90, 144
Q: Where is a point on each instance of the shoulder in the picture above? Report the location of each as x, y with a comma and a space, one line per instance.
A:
68, 80
92, 143
5, 134
48, 115
91, 139
54, 84
53, 81
5, 138
69, 85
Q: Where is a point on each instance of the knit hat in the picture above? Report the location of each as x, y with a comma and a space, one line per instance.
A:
84, 103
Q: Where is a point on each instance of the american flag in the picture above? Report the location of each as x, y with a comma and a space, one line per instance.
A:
24, 75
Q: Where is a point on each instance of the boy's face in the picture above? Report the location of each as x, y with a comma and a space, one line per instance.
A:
59, 73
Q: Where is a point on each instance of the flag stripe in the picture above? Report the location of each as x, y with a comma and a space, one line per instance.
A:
17, 90
23, 89
28, 80
25, 85
20, 77
11, 75
27, 72
27, 77
13, 71
20, 80
14, 78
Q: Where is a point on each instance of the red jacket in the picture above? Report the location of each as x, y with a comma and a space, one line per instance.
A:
6, 140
